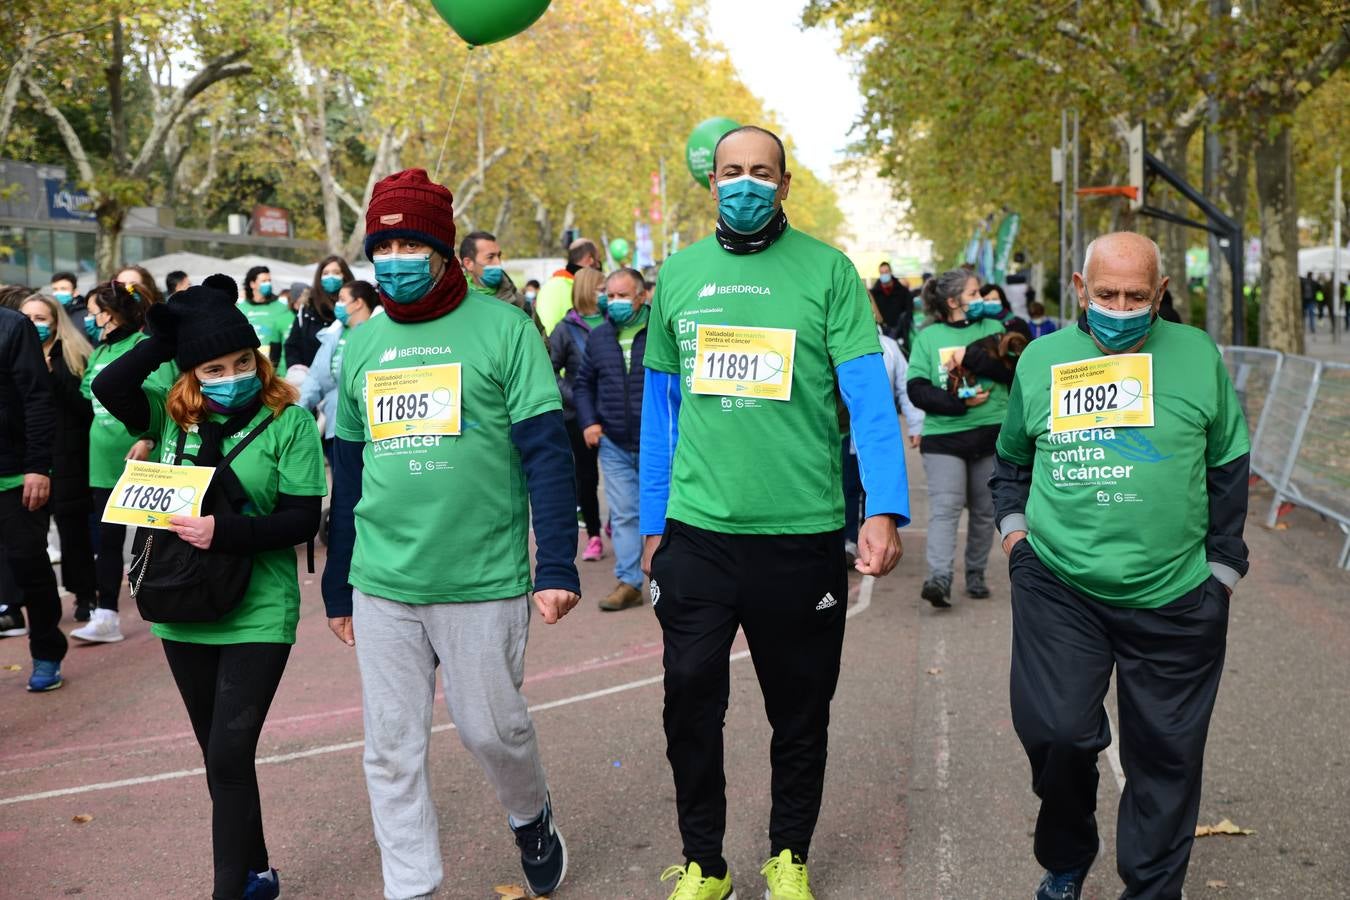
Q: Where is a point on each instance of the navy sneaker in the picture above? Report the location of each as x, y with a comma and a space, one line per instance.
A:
936, 590
264, 886
46, 676
1062, 885
543, 853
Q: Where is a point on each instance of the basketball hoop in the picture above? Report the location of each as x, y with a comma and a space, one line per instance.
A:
1111, 190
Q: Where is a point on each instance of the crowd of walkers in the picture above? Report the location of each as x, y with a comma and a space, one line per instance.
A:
743, 413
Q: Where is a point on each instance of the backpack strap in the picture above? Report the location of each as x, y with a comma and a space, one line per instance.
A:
248, 438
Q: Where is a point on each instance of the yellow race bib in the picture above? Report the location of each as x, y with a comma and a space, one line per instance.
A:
148, 494
1105, 392
738, 361
424, 400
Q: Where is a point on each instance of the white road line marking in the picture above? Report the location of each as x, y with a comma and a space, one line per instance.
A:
1113, 754
946, 878
864, 601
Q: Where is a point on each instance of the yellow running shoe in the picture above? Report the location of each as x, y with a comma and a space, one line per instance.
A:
786, 879
694, 885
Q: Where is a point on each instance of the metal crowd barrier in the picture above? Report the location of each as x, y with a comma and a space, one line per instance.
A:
1300, 431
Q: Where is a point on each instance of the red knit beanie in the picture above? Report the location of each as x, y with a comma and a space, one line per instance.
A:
410, 205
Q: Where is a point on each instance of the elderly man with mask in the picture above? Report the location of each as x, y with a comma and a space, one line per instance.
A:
449, 434
1120, 489
742, 503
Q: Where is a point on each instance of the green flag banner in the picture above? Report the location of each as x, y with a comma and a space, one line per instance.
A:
1007, 233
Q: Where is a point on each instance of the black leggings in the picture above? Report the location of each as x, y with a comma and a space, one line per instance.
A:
227, 690
108, 563
587, 462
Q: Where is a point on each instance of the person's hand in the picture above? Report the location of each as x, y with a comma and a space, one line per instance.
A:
141, 450
879, 546
553, 604
914, 441
342, 627
592, 435
1011, 540
37, 488
649, 544
978, 399
196, 530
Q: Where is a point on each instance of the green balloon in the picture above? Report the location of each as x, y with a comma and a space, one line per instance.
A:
618, 249
698, 150
488, 21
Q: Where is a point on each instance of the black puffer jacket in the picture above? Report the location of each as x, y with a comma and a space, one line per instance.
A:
70, 447
27, 418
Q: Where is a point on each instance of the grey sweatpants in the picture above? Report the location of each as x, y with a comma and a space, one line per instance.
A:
955, 484
481, 647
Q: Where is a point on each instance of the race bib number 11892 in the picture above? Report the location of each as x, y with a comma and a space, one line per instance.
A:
1106, 392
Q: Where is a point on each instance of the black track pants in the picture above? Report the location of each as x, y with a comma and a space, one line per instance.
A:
1167, 662
789, 593
23, 540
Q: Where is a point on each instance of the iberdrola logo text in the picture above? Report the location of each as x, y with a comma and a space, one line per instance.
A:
712, 288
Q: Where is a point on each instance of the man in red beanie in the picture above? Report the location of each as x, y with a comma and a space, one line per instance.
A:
449, 432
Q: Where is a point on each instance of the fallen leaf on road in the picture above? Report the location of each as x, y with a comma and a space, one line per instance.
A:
81, 819
1217, 884
13, 668
935, 671
1281, 526
1224, 827
511, 892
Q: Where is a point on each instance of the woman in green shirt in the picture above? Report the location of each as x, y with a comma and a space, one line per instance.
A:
963, 389
227, 670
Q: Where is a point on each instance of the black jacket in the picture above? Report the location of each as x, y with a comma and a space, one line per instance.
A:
27, 417
303, 341
605, 393
70, 452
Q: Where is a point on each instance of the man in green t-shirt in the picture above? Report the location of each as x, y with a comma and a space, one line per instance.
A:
1120, 490
449, 434
752, 333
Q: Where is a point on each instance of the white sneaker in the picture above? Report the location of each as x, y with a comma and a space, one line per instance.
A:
103, 628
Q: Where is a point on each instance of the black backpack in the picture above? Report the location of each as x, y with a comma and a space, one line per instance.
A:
171, 580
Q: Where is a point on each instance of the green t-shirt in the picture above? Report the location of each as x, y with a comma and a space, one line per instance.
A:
759, 466
628, 334
287, 458
109, 439
272, 322
445, 519
1121, 514
595, 320
926, 361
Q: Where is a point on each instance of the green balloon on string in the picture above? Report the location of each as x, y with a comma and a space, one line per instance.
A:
618, 249
698, 150
488, 21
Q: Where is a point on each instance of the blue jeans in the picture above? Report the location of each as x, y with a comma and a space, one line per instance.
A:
620, 468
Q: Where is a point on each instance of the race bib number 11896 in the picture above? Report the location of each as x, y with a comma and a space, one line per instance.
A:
149, 494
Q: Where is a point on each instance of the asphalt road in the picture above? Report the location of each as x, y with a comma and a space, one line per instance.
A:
927, 795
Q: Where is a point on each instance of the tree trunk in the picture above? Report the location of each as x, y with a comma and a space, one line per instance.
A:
1233, 172
1281, 324
1172, 151
112, 218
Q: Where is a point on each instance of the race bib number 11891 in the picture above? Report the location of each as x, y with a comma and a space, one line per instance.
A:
739, 361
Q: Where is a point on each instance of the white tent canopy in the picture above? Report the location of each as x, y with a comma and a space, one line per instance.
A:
1319, 261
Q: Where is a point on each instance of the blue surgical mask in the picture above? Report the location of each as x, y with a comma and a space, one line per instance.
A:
232, 391
265, 288
404, 277
975, 311
885, 278
746, 203
92, 328
602, 303
44, 331
993, 309
622, 312
331, 283
492, 276
1119, 330
340, 312
62, 297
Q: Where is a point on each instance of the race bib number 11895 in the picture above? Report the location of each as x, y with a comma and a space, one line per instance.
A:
424, 400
